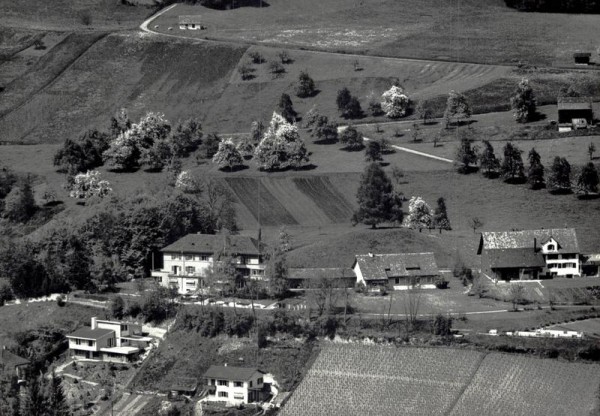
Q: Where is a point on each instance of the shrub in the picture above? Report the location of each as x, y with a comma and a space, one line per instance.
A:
60, 301
256, 57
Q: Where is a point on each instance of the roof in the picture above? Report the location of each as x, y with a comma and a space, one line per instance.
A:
7, 358
209, 243
321, 273
386, 266
190, 19
575, 103
184, 384
515, 258
565, 237
89, 333
582, 55
231, 373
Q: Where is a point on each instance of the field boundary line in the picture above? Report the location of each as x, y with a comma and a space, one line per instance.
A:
467, 384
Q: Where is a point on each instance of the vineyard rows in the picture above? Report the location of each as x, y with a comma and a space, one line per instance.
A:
358, 380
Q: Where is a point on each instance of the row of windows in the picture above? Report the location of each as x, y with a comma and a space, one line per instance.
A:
259, 381
190, 257
562, 256
561, 265
80, 342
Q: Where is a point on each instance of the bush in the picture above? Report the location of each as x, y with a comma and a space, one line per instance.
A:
256, 57
60, 301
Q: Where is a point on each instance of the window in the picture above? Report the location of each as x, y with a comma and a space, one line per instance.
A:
250, 385
259, 381
90, 343
189, 257
204, 258
413, 268
223, 394
190, 283
550, 247
110, 342
552, 256
175, 256
238, 384
223, 383
78, 341
397, 280
238, 396
190, 269
123, 327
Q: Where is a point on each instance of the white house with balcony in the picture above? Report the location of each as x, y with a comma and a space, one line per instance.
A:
188, 260
108, 341
530, 254
235, 385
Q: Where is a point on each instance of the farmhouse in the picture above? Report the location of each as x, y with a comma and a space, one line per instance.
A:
188, 260
582, 58
529, 254
235, 385
307, 277
400, 271
191, 22
12, 363
108, 341
575, 113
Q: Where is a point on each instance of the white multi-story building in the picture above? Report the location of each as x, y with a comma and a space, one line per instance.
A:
234, 385
188, 260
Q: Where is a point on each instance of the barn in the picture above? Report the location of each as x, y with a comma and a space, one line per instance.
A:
573, 110
582, 58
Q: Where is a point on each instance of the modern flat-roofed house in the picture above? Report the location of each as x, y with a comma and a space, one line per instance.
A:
234, 385
108, 341
13, 364
529, 254
575, 113
399, 271
190, 22
189, 259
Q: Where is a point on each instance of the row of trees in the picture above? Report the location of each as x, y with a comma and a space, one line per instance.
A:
42, 397
17, 203
512, 169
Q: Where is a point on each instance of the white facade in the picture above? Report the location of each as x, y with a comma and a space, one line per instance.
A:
564, 264
235, 392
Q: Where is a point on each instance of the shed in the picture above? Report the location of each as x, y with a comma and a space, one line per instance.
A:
570, 108
190, 22
183, 386
582, 58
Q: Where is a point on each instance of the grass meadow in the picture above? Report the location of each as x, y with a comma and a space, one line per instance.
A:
462, 30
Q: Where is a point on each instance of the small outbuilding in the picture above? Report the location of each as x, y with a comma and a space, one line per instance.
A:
12, 363
582, 58
191, 22
575, 112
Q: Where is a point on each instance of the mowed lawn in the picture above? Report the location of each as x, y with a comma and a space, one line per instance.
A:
468, 30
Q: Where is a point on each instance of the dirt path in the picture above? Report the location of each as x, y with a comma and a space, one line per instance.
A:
416, 152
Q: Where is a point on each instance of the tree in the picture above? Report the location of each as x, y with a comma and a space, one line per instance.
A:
488, 161
19, 204
343, 99
117, 307
588, 179
591, 150
516, 294
465, 155
373, 152
35, 401
395, 102
457, 107
284, 244
419, 214
245, 71
352, 109
286, 109
375, 108
523, 102
352, 139
209, 146
57, 401
281, 147
423, 111
440, 216
89, 184
325, 131
535, 173
377, 201
119, 123
475, 223
284, 57
186, 138
306, 85
559, 179
157, 156
512, 168
228, 155
82, 154
276, 274
276, 69
416, 134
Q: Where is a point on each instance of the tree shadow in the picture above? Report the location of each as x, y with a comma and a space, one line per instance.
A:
492, 175
515, 181
561, 191
431, 123
352, 149
467, 170
326, 141
237, 168
53, 204
248, 77
537, 116
585, 197
153, 170
384, 164
236, 4
309, 166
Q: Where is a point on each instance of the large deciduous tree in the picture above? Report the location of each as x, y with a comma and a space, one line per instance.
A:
306, 85
324, 131
512, 168
465, 155
535, 173
352, 139
89, 184
281, 146
559, 179
19, 204
83, 153
228, 155
395, 102
377, 201
523, 102
419, 214
587, 182
457, 108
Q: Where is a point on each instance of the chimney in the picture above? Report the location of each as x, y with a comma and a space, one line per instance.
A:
94, 323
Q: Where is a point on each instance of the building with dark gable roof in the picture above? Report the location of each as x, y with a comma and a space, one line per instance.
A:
188, 260
235, 385
530, 254
12, 363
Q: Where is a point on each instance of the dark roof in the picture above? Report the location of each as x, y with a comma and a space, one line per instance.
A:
190, 19
209, 243
184, 384
89, 333
321, 273
515, 257
582, 55
565, 237
575, 103
386, 266
9, 359
231, 373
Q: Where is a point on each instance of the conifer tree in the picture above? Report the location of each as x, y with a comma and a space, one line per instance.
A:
587, 182
440, 216
523, 102
57, 401
512, 168
377, 201
286, 108
465, 155
559, 179
535, 173
488, 161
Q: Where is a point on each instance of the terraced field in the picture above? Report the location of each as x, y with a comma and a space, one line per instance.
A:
361, 379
